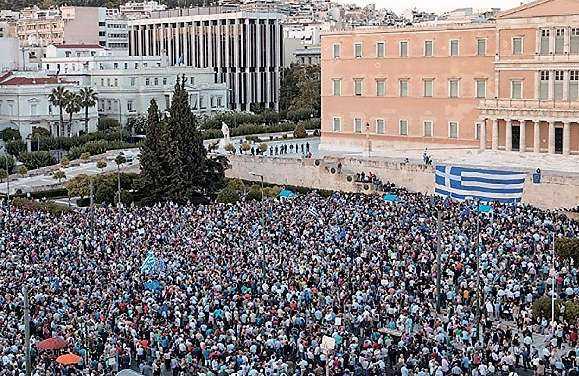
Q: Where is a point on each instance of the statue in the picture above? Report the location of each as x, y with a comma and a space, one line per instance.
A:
225, 130
226, 140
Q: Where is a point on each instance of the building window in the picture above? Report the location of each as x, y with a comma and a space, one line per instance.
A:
220, 101
453, 129
126, 65
544, 85
164, 80
517, 45
202, 102
574, 85
336, 51
516, 89
559, 41
212, 101
428, 87
404, 49
380, 126
147, 81
380, 88
481, 88
156, 81
403, 86
428, 128
33, 109
454, 47
357, 125
337, 124
574, 41
358, 50
477, 128
116, 65
403, 127
133, 81
130, 105
357, 87
108, 82
428, 48
481, 47
558, 89
544, 43
453, 89
102, 82
193, 100
337, 87
380, 49
116, 82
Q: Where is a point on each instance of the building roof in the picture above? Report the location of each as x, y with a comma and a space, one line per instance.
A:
26, 81
73, 46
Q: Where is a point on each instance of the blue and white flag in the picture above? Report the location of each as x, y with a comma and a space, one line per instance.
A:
150, 263
479, 183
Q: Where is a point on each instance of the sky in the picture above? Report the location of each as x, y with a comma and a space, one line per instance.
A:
438, 5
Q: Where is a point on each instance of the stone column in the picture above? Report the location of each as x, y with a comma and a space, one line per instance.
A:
483, 134
551, 84
495, 135
509, 136
147, 51
551, 137
566, 138
537, 137
522, 138
139, 46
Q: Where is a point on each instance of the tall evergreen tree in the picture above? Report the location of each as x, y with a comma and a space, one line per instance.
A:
174, 161
152, 156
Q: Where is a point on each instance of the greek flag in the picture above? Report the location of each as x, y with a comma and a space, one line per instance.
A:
479, 183
150, 263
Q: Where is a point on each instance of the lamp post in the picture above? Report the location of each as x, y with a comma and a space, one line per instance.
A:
261, 178
368, 143
7, 180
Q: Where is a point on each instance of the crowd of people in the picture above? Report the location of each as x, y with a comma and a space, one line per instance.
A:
253, 288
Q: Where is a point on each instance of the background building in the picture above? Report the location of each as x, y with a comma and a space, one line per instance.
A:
125, 85
509, 84
24, 104
244, 50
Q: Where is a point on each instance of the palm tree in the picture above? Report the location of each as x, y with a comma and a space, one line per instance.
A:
88, 99
72, 106
58, 98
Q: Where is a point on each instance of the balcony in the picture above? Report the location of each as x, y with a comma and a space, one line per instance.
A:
529, 108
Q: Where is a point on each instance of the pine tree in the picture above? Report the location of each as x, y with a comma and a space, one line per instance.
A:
174, 161
152, 156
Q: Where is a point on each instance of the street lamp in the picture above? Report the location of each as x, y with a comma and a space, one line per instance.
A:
261, 178
7, 178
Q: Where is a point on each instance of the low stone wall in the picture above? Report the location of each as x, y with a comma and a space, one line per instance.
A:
555, 190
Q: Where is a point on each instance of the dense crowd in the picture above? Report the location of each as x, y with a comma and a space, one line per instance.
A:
252, 288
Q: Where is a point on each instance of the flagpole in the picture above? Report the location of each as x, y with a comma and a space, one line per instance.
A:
553, 284
438, 252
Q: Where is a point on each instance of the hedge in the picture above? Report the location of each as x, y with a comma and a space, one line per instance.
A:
32, 205
36, 159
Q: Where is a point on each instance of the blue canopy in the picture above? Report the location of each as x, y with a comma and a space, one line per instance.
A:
390, 197
485, 209
153, 285
286, 193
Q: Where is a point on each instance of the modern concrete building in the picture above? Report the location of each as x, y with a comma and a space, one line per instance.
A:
244, 50
125, 85
512, 84
24, 104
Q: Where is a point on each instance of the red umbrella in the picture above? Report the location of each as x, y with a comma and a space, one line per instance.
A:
53, 343
68, 359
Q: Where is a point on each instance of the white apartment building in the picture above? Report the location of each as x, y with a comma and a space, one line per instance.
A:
134, 10
24, 105
243, 50
125, 85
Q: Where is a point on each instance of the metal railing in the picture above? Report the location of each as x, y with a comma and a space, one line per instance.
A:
528, 104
